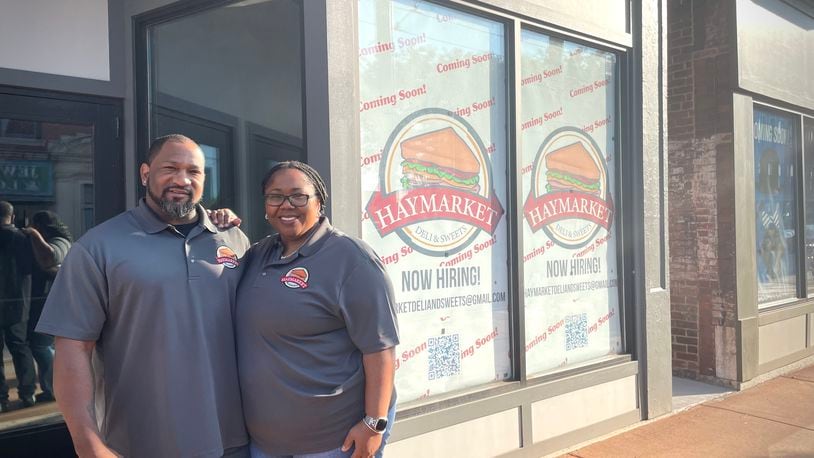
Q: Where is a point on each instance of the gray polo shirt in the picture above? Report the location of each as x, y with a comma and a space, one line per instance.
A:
303, 324
159, 307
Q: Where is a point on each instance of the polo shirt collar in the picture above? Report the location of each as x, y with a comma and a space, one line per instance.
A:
317, 237
152, 224
312, 244
204, 220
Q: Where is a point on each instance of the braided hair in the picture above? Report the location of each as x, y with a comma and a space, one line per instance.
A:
309, 172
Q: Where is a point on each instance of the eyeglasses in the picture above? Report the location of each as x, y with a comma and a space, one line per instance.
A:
296, 200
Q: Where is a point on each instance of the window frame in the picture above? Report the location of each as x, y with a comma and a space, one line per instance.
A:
143, 77
620, 193
143, 71
104, 115
625, 130
806, 289
513, 213
801, 284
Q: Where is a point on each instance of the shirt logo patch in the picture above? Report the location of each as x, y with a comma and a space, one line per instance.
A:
227, 257
296, 278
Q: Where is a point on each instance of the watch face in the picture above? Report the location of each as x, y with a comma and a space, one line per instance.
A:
381, 425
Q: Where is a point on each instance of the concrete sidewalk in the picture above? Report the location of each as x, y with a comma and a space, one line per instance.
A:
775, 418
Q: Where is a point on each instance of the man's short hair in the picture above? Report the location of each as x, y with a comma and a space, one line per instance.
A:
159, 142
6, 209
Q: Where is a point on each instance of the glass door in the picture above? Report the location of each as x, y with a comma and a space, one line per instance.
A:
60, 154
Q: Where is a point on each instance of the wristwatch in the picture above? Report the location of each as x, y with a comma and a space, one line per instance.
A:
377, 425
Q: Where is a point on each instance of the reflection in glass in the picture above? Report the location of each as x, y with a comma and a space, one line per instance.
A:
775, 205
220, 74
46, 173
87, 208
43, 167
808, 139
212, 183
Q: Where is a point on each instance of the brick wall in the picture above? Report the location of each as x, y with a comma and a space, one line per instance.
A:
700, 148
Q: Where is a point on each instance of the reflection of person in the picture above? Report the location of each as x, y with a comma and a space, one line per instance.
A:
50, 242
15, 295
769, 172
151, 291
772, 251
316, 330
771, 247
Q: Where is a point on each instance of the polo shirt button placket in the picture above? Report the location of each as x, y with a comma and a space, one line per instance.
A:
190, 274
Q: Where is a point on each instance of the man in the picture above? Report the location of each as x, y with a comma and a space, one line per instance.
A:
151, 291
15, 297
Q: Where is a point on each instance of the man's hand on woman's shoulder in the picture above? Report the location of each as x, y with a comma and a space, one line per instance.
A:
224, 218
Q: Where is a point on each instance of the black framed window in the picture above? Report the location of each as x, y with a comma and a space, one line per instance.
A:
778, 221
808, 196
438, 129
434, 117
569, 173
228, 75
60, 153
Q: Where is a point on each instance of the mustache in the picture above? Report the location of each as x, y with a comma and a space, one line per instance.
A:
185, 190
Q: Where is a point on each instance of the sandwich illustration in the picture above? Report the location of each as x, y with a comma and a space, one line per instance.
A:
571, 169
439, 158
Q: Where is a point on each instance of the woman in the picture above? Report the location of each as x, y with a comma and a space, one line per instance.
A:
50, 242
316, 330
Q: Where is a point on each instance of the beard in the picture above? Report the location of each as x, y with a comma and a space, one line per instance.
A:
173, 209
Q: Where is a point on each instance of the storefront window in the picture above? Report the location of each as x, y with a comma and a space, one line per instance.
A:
46, 166
568, 157
61, 172
46, 174
433, 163
808, 139
230, 78
776, 153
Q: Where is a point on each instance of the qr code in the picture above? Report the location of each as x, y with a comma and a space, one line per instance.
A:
576, 331
444, 356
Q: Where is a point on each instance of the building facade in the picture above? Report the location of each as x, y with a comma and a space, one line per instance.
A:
506, 159
740, 144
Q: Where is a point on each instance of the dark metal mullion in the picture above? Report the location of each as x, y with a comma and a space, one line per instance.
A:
141, 77
802, 288
303, 97
107, 140
624, 181
515, 204
636, 289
